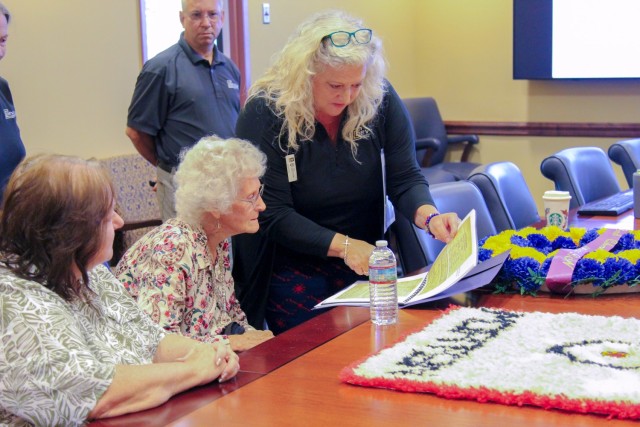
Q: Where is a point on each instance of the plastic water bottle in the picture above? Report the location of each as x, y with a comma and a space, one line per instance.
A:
383, 289
636, 194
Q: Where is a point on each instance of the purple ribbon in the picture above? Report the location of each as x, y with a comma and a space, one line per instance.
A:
565, 260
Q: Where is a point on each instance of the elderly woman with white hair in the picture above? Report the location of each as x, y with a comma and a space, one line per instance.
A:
179, 273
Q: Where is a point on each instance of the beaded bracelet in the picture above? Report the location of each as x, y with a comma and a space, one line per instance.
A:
346, 248
426, 223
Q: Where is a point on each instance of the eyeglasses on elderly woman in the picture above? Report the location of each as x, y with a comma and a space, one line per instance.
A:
253, 198
343, 38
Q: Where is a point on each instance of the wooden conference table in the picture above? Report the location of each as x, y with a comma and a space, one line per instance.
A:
292, 380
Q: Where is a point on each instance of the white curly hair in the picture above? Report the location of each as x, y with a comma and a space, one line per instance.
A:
210, 173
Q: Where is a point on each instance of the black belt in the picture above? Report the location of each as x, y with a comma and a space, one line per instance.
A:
165, 167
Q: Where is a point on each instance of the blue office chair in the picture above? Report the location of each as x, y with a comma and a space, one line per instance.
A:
506, 194
459, 197
585, 172
627, 154
432, 143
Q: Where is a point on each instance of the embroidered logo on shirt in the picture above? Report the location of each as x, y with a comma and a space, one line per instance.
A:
232, 85
8, 114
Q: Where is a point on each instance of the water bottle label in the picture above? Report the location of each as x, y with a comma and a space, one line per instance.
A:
382, 274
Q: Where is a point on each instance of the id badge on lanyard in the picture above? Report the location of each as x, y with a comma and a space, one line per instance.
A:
292, 173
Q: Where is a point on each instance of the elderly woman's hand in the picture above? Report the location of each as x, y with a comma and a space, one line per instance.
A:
249, 339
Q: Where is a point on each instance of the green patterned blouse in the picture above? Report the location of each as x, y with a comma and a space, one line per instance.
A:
58, 358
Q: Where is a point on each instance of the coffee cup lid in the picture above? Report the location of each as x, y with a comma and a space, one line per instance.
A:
554, 194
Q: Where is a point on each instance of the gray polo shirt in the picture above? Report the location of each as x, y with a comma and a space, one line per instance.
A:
179, 98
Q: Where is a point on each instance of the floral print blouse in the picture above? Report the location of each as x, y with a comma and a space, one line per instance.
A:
171, 274
58, 358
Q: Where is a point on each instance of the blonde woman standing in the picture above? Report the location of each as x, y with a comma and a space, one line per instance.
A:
323, 113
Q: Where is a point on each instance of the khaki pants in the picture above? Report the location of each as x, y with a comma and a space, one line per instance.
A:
166, 193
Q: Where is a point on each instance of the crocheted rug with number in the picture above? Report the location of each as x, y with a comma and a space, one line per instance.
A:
568, 361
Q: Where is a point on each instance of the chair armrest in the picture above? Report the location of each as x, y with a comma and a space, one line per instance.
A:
134, 225
428, 143
469, 140
457, 139
119, 246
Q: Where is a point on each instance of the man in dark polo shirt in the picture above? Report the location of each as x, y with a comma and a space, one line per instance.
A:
182, 94
11, 148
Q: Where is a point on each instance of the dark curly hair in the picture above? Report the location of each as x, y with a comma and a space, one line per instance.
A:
54, 210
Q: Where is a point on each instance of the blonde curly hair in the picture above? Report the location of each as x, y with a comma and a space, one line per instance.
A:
287, 84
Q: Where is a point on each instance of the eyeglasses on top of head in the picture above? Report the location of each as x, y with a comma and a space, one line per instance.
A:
253, 199
343, 38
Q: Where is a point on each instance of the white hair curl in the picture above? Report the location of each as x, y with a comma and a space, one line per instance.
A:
210, 175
